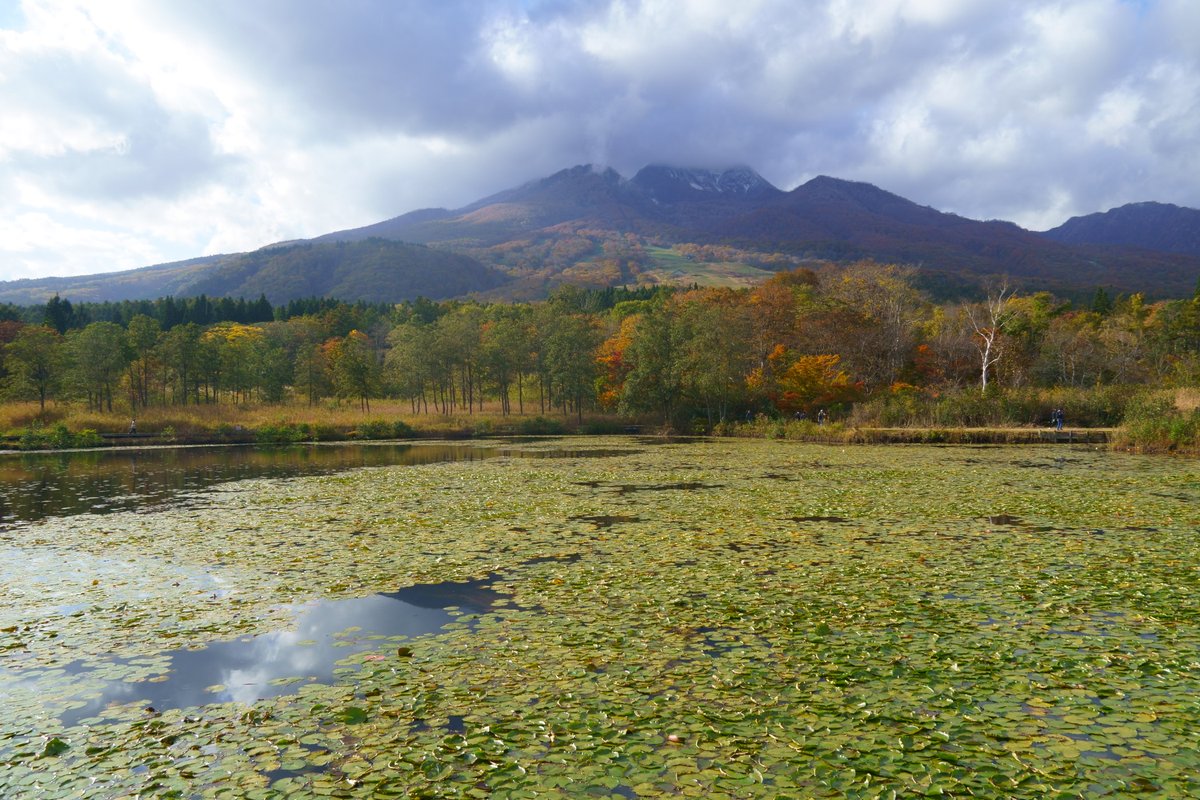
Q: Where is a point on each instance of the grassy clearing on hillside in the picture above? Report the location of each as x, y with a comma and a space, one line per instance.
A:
674, 269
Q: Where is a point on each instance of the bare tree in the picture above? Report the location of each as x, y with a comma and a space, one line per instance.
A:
988, 321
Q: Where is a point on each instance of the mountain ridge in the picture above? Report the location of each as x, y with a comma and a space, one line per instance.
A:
588, 224
1147, 225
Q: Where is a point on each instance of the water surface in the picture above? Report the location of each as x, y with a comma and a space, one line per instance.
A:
35, 486
252, 668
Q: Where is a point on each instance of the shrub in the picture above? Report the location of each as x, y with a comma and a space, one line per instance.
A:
540, 426
322, 432
373, 429
88, 437
32, 438
37, 437
283, 433
1153, 422
726, 428
969, 408
604, 426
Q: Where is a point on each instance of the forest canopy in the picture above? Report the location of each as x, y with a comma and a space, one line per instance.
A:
803, 341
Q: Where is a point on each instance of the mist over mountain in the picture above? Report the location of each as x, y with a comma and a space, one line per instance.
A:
591, 226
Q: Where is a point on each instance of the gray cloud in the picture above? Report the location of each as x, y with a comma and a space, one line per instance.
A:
363, 65
99, 133
276, 119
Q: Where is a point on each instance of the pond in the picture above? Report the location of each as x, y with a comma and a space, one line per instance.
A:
612, 619
38, 485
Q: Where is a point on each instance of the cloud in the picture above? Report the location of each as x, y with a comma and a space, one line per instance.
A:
191, 128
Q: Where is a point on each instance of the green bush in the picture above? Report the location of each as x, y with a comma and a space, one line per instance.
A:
383, 429
88, 437
234, 432
32, 438
320, 432
374, 429
606, 426
37, 437
283, 433
540, 426
1152, 422
726, 428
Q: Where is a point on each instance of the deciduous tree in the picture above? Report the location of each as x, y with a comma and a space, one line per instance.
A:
35, 359
99, 354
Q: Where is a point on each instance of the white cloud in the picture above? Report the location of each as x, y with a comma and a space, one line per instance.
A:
137, 131
33, 240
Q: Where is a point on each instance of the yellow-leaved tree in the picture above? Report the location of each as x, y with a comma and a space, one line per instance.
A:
805, 382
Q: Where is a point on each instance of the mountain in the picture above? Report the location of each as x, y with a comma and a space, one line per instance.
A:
664, 185
584, 211
837, 220
657, 200
577, 195
152, 282
1149, 226
590, 226
374, 270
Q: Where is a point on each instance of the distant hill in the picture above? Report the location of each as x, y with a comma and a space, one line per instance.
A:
145, 283
590, 226
376, 270
1149, 226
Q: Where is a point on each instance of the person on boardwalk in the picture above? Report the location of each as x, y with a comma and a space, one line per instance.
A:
821, 417
133, 426
1058, 419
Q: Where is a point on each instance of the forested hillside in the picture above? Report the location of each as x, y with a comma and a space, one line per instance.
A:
372, 270
1150, 226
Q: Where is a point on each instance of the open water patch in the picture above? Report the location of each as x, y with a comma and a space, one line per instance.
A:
605, 521
35, 486
633, 488
252, 668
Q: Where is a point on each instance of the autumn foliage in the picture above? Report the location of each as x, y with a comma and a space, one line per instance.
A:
804, 382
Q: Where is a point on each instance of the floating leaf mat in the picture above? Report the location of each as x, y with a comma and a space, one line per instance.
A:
704, 619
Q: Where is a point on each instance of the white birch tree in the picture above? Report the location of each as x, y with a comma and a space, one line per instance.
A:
988, 322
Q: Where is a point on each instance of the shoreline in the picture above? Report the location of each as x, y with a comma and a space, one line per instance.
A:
835, 434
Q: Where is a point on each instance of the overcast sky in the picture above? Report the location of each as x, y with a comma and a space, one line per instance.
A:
135, 132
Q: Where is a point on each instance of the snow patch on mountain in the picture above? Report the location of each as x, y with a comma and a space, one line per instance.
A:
666, 183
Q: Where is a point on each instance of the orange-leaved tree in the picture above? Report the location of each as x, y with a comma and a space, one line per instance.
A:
614, 364
805, 382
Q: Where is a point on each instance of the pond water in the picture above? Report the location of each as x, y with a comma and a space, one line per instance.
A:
606, 618
253, 668
34, 486
245, 669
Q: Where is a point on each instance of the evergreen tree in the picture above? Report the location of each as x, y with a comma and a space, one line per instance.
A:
59, 314
1102, 304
